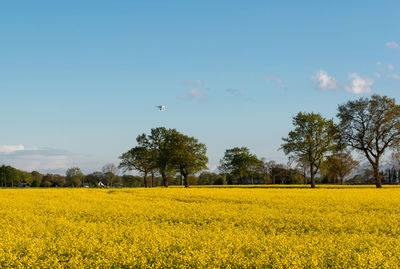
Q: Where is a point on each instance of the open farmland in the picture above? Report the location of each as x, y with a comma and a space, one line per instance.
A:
200, 227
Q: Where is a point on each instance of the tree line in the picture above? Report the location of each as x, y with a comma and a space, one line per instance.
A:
319, 151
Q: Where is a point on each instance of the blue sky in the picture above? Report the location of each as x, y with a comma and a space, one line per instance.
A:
79, 79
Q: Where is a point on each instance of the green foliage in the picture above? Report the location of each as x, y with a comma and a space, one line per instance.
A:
109, 174
337, 166
310, 141
165, 151
138, 158
74, 177
208, 178
188, 156
10, 176
371, 126
240, 163
132, 181
36, 179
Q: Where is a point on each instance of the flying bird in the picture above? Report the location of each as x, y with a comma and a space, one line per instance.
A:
161, 107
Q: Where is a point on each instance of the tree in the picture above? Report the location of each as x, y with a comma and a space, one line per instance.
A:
161, 142
131, 181
94, 178
340, 165
37, 179
263, 169
276, 171
239, 162
9, 176
312, 138
46, 180
302, 165
26, 177
210, 178
74, 177
371, 126
188, 156
110, 171
140, 158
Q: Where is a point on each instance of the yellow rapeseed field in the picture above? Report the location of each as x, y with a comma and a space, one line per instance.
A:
200, 228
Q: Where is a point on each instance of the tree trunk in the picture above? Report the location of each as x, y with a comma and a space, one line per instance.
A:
145, 179
341, 180
312, 176
165, 180
378, 180
152, 179
181, 179
185, 179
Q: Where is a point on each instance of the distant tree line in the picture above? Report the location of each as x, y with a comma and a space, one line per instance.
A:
319, 151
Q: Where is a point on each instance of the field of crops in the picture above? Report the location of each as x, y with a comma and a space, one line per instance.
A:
200, 227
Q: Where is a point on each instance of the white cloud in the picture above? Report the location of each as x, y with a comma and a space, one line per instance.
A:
7, 149
359, 85
196, 93
377, 75
34, 158
393, 76
390, 67
42, 162
392, 45
277, 80
324, 81
378, 63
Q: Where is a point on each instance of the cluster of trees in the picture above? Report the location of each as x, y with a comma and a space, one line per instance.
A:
319, 148
165, 152
12, 177
370, 126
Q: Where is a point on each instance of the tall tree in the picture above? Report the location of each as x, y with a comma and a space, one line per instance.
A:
187, 155
161, 142
9, 176
312, 138
109, 171
140, 158
239, 162
371, 126
74, 177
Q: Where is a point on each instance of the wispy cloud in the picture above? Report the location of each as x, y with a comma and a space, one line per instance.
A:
390, 67
377, 75
393, 76
392, 45
359, 85
324, 81
197, 94
269, 79
35, 158
7, 149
